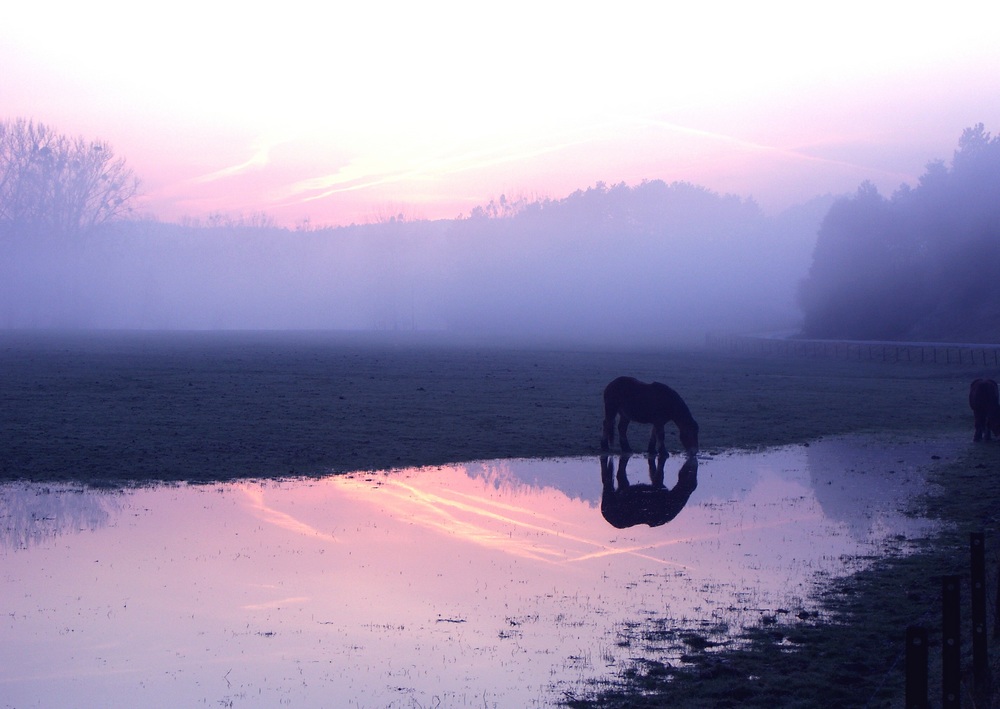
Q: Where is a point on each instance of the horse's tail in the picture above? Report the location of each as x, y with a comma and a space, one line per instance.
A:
610, 412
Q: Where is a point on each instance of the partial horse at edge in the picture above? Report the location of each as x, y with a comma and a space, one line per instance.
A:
984, 400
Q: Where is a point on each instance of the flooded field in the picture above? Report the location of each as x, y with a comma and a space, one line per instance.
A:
500, 583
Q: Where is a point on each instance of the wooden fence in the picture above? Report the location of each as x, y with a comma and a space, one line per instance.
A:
952, 685
918, 352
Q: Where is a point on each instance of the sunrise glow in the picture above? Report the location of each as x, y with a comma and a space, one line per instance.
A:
334, 113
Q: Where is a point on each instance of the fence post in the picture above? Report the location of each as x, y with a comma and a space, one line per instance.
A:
916, 668
980, 660
996, 618
951, 647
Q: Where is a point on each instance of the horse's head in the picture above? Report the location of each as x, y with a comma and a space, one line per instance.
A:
689, 437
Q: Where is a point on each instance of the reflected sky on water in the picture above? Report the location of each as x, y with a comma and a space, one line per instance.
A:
494, 583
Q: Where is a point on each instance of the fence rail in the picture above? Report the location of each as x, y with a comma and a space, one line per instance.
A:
918, 352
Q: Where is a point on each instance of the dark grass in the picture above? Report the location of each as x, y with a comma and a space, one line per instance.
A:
146, 407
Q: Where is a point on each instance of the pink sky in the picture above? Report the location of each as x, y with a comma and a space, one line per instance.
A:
343, 113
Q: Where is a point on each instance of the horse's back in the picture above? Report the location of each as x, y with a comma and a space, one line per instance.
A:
623, 389
619, 385
641, 401
631, 387
984, 394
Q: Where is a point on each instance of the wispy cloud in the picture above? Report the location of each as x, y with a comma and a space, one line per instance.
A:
477, 517
359, 176
795, 154
255, 498
260, 158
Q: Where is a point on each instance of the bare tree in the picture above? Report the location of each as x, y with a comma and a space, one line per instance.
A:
52, 184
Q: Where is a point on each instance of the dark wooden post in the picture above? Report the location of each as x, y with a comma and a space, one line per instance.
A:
916, 668
980, 661
951, 647
996, 618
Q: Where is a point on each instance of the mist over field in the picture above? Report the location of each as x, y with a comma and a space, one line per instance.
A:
614, 266
610, 266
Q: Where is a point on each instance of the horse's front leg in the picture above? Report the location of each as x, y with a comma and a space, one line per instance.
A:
623, 433
657, 442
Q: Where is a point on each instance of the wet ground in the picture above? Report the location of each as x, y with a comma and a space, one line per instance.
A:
499, 583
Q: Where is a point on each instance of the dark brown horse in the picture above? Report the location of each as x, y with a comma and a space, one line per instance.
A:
984, 399
628, 399
652, 504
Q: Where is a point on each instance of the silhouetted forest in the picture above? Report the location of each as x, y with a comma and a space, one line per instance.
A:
922, 265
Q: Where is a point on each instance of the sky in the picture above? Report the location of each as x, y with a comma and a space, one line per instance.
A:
340, 112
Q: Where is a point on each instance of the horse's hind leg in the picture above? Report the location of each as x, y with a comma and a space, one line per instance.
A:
656, 441
623, 433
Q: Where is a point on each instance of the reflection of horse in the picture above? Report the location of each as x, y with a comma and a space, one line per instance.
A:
652, 504
984, 398
657, 404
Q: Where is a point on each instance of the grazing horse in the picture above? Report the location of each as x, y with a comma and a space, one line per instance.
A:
652, 504
628, 399
984, 399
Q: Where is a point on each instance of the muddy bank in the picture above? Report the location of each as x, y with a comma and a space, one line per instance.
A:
113, 407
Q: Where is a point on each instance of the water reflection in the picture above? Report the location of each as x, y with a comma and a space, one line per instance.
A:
652, 504
842, 469
33, 514
490, 584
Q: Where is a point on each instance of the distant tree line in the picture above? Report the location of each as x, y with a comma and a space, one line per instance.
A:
612, 264
54, 185
920, 265
628, 262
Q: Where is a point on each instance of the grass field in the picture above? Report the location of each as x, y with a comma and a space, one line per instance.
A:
113, 407
109, 409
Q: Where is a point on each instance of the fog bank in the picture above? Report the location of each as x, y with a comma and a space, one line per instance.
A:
614, 265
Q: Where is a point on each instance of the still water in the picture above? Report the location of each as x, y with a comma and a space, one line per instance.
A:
499, 583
